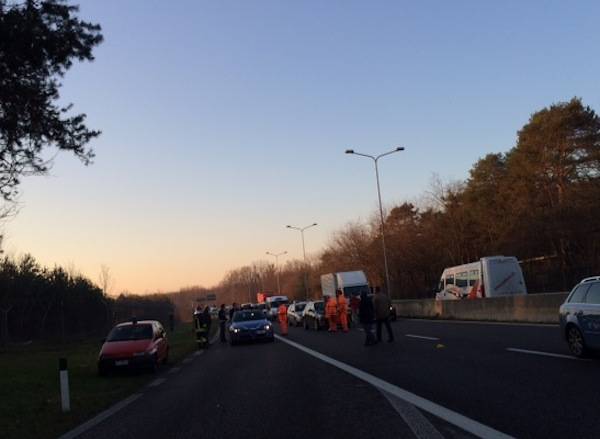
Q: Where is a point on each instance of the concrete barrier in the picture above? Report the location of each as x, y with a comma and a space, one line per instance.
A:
531, 308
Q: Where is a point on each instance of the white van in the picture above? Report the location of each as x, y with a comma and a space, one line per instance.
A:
491, 276
352, 283
273, 303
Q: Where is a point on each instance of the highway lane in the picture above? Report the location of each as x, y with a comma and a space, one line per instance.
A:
254, 391
466, 367
277, 390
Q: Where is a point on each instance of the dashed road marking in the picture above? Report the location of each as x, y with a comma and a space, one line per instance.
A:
424, 337
157, 382
461, 421
480, 322
197, 353
174, 370
100, 417
545, 354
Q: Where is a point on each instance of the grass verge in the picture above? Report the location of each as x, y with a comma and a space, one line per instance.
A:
29, 387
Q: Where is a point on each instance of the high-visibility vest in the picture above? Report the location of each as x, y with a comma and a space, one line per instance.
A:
331, 307
282, 311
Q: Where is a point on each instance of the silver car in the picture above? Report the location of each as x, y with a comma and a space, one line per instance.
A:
295, 313
580, 317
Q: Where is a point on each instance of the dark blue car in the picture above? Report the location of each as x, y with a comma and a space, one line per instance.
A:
580, 317
250, 325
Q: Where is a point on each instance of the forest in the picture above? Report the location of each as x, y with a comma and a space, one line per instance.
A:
539, 201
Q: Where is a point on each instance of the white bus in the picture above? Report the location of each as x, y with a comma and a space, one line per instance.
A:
491, 276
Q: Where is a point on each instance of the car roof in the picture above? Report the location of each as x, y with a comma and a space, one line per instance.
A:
590, 279
139, 322
249, 311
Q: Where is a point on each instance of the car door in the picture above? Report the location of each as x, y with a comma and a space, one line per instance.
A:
309, 314
573, 307
590, 319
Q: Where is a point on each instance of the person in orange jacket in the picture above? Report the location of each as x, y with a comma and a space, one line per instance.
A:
283, 321
331, 313
343, 310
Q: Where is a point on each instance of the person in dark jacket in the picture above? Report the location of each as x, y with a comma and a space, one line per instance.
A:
222, 323
233, 309
200, 327
366, 313
207, 320
383, 304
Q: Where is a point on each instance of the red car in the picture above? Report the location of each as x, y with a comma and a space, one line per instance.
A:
134, 344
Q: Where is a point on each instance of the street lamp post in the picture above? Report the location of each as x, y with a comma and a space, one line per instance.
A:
375, 161
276, 256
301, 230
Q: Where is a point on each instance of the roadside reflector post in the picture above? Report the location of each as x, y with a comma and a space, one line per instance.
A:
63, 373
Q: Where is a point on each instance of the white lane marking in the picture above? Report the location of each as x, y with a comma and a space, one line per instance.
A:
174, 370
187, 360
467, 424
424, 337
545, 354
416, 421
100, 417
480, 322
157, 382
197, 353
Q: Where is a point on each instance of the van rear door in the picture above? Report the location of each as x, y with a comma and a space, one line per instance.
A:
503, 277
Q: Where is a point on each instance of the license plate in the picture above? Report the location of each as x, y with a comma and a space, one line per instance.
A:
121, 362
261, 332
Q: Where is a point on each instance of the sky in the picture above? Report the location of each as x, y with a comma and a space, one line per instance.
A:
222, 122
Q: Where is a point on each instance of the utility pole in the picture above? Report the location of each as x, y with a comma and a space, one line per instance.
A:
375, 161
276, 255
301, 230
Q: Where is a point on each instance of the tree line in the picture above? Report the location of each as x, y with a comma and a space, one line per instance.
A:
37, 302
539, 201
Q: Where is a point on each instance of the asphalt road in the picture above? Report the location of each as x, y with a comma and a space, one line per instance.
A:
330, 385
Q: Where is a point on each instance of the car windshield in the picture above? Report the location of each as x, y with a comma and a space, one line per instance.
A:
319, 306
356, 291
130, 332
246, 316
299, 307
276, 303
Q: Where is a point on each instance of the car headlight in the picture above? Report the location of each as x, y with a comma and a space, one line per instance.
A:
267, 327
234, 330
